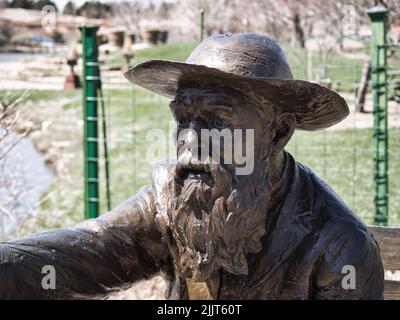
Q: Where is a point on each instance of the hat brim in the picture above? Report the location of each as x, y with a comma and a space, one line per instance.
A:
315, 107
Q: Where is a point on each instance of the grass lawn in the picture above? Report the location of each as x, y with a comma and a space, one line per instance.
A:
170, 51
342, 158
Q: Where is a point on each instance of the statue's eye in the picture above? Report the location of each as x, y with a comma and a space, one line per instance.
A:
177, 103
219, 124
182, 121
179, 100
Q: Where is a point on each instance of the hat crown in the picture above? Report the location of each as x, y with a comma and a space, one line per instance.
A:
245, 54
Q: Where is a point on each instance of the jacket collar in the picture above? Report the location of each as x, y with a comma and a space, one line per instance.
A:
288, 223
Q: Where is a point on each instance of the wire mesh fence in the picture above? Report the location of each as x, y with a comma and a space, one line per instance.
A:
131, 112
342, 155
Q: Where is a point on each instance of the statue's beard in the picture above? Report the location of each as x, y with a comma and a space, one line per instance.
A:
216, 219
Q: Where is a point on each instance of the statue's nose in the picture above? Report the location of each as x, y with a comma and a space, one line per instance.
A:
193, 136
190, 138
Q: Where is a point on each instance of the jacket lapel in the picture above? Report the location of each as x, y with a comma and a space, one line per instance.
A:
294, 222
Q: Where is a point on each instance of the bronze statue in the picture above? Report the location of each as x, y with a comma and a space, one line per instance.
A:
276, 233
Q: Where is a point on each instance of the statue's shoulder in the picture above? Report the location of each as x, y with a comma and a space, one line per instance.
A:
150, 198
336, 219
145, 201
346, 248
161, 182
341, 230
141, 209
342, 241
325, 199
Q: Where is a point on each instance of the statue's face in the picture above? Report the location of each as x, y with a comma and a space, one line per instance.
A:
228, 115
216, 215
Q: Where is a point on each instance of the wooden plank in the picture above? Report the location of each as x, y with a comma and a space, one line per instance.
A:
389, 243
392, 290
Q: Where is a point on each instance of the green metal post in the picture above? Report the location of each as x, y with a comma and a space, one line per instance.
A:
90, 85
378, 16
201, 24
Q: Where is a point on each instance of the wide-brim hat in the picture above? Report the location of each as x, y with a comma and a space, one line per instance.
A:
252, 64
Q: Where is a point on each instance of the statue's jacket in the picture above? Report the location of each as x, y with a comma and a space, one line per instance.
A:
314, 248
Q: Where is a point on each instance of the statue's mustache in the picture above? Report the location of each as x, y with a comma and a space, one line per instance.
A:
207, 169
194, 171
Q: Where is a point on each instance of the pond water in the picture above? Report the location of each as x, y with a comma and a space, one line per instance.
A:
23, 178
14, 56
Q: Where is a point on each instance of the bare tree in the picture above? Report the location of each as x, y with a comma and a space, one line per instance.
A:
8, 118
222, 16
133, 13
11, 181
283, 19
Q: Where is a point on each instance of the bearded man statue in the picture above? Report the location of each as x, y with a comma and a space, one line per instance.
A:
213, 226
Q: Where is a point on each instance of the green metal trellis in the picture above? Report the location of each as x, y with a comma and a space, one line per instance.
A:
378, 16
90, 85
91, 88
92, 93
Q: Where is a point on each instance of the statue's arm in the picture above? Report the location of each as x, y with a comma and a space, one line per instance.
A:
350, 268
91, 258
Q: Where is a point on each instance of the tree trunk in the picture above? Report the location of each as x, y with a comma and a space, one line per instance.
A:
363, 86
298, 31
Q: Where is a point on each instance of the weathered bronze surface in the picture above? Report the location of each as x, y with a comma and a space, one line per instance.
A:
277, 233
